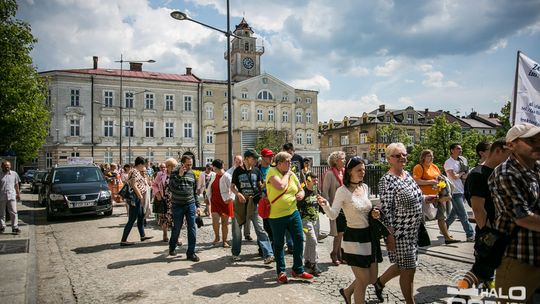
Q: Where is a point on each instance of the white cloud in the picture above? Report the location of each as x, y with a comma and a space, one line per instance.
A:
390, 67
317, 82
435, 79
336, 109
500, 44
406, 101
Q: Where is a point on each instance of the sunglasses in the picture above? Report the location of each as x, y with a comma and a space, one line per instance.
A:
404, 155
356, 158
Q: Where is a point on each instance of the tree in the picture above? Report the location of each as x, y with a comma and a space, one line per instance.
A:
470, 139
24, 120
271, 139
504, 118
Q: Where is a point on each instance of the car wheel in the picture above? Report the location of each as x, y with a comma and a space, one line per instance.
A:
108, 213
50, 215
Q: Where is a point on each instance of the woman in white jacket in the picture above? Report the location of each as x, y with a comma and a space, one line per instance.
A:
220, 196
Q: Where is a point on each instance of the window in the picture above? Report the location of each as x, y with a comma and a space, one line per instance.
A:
209, 112
209, 136
244, 95
209, 160
129, 100
308, 117
270, 115
149, 128
309, 139
285, 96
169, 102
330, 142
308, 100
209, 93
298, 116
169, 129
74, 127
188, 130
169, 154
225, 111
108, 157
75, 154
108, 99
108, 126
363, 138
388, 118
259, 115
298, 100
285, 116
411, 134
265, 95
244, 113
48, 100
187, 103
128, 125
299, 138
48, 160
265, 80
410, 118
344, 140
75, 97
149, 101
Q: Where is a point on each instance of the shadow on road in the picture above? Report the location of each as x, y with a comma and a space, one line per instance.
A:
432, 294
162, 258
220, 264
113, 246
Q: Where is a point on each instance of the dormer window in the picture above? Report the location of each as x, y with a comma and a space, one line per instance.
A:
265, 95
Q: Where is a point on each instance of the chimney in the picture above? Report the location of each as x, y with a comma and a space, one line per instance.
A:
473, 114
381, 108
426, 110
188, 71
95, 58
495, 115
135, 66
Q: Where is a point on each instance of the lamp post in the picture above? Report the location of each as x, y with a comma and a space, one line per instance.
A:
182, 16
121, 94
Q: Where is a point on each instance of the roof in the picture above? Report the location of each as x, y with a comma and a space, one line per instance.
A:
133, 74
243, 25
475, 124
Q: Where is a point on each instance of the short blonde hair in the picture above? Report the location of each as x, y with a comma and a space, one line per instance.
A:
391, 148
334, 156
171, 162
281, 156
424, 154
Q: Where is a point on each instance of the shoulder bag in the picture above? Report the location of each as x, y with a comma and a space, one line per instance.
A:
265, 205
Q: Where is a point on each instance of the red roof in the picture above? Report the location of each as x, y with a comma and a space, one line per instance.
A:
136, 74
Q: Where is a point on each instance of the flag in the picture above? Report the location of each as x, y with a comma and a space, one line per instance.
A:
526, 103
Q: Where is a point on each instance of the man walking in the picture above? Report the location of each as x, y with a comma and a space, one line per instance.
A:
10, 193
515, 187
183, 187
456, 170
238, 161
246, 185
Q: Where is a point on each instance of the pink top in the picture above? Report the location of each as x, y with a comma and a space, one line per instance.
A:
158, 186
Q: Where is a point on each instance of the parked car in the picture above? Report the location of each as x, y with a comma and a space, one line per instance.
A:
43, 189
77, 189
36, 181
28, 176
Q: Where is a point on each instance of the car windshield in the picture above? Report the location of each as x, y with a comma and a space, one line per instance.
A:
77, 175
39, 175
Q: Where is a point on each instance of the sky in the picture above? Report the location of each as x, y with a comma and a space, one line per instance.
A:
452, 55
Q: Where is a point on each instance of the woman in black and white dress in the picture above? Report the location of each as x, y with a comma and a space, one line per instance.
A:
401, 203
360, 250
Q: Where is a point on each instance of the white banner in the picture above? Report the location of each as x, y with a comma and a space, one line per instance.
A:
527, 99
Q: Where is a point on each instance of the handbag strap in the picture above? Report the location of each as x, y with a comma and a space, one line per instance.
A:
286, 188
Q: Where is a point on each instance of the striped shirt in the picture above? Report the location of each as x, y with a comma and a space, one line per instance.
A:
516, 194
183, 188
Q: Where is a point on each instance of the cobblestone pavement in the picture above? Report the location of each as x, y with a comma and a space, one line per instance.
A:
79, 260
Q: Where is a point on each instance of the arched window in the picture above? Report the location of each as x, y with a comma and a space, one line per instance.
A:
265, 95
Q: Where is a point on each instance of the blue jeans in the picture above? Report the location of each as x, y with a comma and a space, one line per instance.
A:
178, 213
293, 224
135, 213
262, 237
458, 210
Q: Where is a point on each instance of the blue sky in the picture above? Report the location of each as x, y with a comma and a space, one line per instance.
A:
455, 55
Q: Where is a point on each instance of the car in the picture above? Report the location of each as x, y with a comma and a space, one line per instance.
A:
76, 190
28, 176
35, 184
43, 189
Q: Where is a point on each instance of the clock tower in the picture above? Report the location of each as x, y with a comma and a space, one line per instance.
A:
245, 55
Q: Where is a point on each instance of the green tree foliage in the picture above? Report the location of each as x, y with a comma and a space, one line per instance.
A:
271, 139
438, 139
470, 140
24, 119
392, 133
504, 118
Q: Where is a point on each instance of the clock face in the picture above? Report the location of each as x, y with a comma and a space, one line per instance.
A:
248, 63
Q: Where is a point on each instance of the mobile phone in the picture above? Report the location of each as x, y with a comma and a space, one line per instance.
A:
315, 189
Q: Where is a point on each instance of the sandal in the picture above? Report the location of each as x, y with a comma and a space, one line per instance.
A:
379, 289
334, 258
226, 245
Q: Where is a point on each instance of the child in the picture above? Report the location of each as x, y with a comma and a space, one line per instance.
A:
309, 211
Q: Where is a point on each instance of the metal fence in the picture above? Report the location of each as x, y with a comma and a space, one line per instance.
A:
372, 177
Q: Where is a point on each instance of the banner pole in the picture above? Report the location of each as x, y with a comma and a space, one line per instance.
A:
513, 114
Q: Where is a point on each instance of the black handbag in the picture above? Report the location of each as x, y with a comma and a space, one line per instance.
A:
159, 206
490, 245
127, 194
423, 236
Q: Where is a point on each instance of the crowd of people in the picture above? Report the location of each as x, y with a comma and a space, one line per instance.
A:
503, 190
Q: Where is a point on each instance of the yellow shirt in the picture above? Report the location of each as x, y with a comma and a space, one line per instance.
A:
286, 204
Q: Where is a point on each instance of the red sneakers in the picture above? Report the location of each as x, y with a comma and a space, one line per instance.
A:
303, 275
282, 278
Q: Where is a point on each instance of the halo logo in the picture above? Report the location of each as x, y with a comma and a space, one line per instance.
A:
460, 295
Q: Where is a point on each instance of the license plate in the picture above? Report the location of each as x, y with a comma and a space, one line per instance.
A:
81, 204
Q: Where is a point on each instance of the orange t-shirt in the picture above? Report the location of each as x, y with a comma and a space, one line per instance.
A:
429, 173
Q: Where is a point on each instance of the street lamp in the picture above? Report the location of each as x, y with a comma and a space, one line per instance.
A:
122, 97
182, 16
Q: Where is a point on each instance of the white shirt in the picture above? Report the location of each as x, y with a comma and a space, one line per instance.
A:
8, 180
453, 164
356, 208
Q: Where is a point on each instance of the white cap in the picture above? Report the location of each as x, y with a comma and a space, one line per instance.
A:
522, 130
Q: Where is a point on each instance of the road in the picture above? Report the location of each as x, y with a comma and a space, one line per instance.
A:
79, 260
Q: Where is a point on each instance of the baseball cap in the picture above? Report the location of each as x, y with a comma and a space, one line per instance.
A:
522, 130
266, 152
251, 153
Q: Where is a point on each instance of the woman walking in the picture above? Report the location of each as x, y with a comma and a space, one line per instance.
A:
136, 213
220, 196
360, 249
401, 203
160, 188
